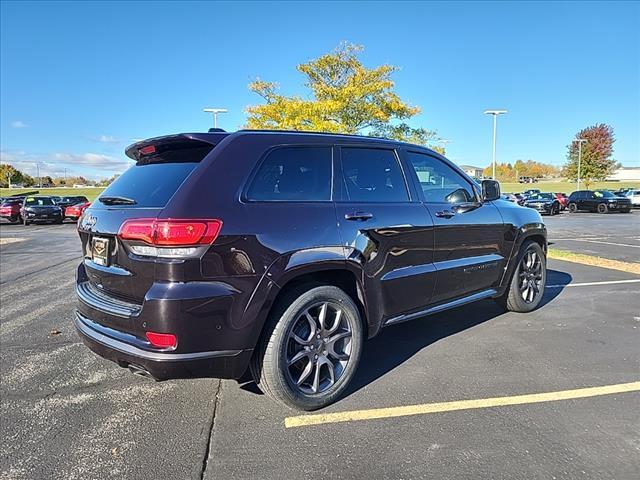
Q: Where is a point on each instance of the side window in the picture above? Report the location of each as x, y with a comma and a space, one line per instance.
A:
293, 174
372, 175
439, 182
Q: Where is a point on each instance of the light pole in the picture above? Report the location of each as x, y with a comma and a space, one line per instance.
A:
495, 114
215, 112
580, 142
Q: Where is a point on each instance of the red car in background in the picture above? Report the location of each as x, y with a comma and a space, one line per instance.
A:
10, 209
74, 212
563, 199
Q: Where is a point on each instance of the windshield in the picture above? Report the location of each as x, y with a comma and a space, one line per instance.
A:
38, 201
541, 196
603, 194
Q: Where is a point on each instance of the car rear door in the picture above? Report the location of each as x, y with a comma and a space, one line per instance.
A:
385, 230
469, 248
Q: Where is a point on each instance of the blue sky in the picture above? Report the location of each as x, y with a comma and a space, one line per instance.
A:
80, 81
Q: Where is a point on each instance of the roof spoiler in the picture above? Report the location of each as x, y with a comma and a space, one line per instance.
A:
147, 149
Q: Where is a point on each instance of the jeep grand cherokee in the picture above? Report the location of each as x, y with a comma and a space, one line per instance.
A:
282, 252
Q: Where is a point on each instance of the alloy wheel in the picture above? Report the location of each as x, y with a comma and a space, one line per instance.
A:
318, 348
530, 276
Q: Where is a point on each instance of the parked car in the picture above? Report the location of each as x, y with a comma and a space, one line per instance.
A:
74, 212
563, 199
634, 196
622, 192
68, 201
543, 203
531, 191
510, 196
40, 209
601, 201
305, 247
10, 209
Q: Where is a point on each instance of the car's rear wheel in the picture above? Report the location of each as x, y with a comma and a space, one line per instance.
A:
310, 349
602, 208
573, 208
528, 281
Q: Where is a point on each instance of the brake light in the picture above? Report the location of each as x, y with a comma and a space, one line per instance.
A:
162, 340
170, 232
148, 150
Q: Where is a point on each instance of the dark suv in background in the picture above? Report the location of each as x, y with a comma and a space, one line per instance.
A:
284, 251
601, 201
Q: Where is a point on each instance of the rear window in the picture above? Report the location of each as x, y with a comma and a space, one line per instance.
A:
372, 175
293, 174
150, 185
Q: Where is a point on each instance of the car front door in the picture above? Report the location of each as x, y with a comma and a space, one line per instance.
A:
469, 253
387, 233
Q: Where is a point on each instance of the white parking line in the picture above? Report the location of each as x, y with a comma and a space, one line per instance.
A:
591, 284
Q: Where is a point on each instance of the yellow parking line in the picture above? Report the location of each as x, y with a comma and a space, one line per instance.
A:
357, 415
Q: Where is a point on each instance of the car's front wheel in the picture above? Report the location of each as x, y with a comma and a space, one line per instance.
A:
310, 350
526, 289
602, 208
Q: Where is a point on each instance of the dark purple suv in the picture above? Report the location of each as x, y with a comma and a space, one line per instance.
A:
282, 252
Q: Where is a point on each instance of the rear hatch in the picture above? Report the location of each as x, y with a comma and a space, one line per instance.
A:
141, 192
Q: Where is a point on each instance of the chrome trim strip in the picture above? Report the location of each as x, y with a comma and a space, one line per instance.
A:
468, 261
439, 308
83, 325
409, 271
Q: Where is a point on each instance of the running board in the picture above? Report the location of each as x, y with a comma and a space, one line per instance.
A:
439, 308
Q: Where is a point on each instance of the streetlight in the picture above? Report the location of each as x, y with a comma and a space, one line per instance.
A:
495, 114
215, 112
580, 142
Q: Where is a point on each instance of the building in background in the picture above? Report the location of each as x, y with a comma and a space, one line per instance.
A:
472, 171
624, 174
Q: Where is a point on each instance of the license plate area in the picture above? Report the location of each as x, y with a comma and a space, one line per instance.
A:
100, 250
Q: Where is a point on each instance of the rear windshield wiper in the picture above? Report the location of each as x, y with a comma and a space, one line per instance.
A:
117, 201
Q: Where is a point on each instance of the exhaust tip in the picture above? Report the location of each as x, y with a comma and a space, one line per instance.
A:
138, 370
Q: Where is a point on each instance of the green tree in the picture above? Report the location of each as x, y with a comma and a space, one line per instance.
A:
346, 97
596, 161
10, 174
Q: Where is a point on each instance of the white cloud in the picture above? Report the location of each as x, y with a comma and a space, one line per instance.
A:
108, 139
90, 165
18, 124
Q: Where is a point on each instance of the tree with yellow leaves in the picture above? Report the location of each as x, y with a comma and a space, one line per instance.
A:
346, 97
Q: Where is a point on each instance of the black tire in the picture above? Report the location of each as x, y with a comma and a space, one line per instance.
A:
602, 208
513, 299
628, 210
573, 208
59, 221
270, 365
14, 219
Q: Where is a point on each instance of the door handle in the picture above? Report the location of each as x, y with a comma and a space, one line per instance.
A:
358, 216
445, 214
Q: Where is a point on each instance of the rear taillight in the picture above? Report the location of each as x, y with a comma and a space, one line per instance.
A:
171, 238
5, 209
162, 340
172, 232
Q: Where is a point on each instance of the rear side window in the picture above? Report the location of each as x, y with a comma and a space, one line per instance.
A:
150, 185
372, 175
293, 174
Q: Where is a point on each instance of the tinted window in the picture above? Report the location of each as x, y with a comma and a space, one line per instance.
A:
373, 175
293, 174
603, 194
440, 183
150, 185
38, 201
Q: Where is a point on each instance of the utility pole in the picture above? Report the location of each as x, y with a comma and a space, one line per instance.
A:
38, 175
495, 114
580, 142
215, 112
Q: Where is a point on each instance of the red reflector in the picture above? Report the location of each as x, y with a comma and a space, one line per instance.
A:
162, 340
171, 233
148, 150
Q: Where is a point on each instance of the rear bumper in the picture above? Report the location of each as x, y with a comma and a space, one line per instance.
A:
119, 348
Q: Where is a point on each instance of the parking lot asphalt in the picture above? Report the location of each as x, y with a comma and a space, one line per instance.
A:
67, 414
615, 236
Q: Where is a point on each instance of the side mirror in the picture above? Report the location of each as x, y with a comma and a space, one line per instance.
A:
490, 190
